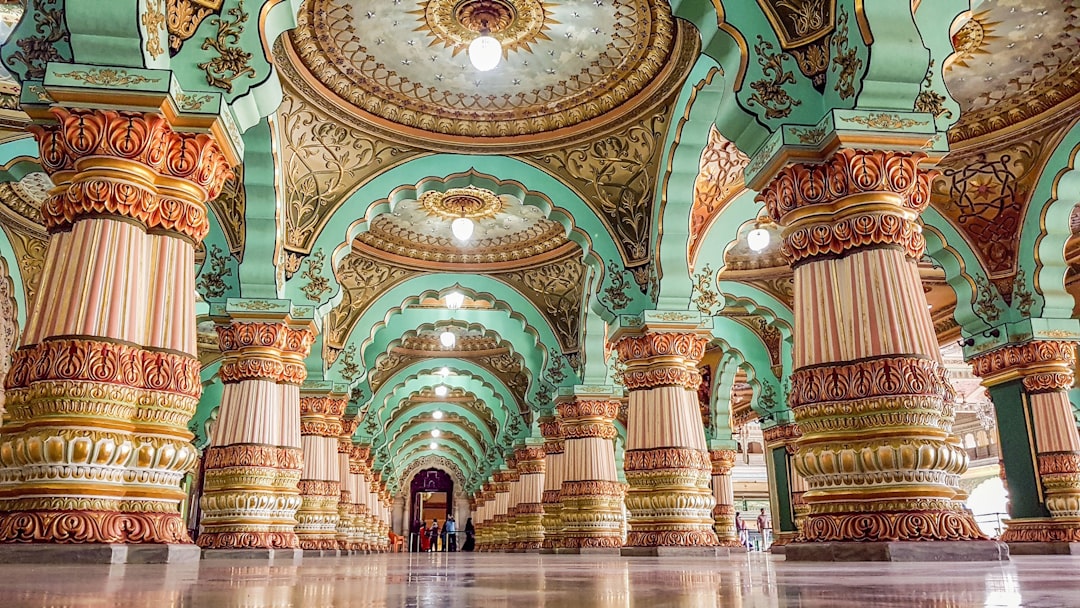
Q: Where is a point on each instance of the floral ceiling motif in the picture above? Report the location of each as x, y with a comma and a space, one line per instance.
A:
565, 63
1013, 60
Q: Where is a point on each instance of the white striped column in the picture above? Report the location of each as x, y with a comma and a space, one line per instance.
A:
667, 462
348, 483
864, 342
529, 510
592, 497
320, 479
554, 474
250, 494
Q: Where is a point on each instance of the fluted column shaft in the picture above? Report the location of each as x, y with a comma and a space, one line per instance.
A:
99, 395
529, 511
346, 498
484, 530
724, 494
320, 479
513, 499
592, 497
667, 462
250, 494
864, 342
1029, 386
554, 474
358, 467
500, 529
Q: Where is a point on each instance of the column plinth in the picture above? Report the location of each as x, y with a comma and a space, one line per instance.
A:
1029, 386
869, 393
591, 495
667, 462
99, 395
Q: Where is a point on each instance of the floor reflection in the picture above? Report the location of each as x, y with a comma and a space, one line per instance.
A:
548, 581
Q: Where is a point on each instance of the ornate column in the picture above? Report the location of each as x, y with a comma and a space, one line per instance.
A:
96, 443
346, 501
501, 486
551, 428
869, 389
358, 467
1029, 385
320, 479
786, 485
592, 497
483, 524
253, 466
529, 512
512, 532
724, 493
667, 462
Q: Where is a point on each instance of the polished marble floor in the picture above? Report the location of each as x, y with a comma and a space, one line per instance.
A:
526, 581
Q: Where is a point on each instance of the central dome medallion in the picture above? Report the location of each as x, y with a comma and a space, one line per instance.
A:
402, 66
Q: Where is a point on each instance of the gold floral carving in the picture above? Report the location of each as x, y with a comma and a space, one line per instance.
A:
846, 59
845, 173
881, 377
719, 179
36, 51
780, 434
556, 289
362, 280
885, 121
316, 284
803, 28
183, 17
880, 527
616, 176
30, 250
230, 207
231, 61
661, 359
266, 351
153, 20
58, 526
706, 298
769, 90
211, 282
112, 77
323, 161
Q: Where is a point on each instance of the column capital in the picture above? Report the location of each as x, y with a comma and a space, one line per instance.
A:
581, 417
1043, 365
854, 199
551, 428
530, 459
131, 165
781, 434
722, 461
263, 340
320, 414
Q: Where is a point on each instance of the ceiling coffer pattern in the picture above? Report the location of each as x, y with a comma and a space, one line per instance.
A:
590, 58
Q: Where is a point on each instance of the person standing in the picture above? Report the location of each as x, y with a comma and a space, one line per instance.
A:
433, 536
740, 528
450, 535
470, 536
764, 527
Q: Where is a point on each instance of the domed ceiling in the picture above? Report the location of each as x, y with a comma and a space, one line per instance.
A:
506, 233
563, 63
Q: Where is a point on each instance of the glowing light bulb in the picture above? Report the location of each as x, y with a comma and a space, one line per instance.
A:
455, 299
435, 432
437, 414
441, 390
447, 339
462, 228
485, 52
433, 445
444, 372
758, 239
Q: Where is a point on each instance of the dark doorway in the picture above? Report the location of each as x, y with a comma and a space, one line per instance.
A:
432, 493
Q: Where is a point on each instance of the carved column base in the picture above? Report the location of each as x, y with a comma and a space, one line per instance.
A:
109, 527
592, 514
724, 526
552, 521
927, 520
317, 518
669, 499
264, 511
529, 524
500, 533
1043, 536
1059, 473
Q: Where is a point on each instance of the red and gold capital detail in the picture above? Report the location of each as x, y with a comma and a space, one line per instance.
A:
667, 462
99, 396
870, 395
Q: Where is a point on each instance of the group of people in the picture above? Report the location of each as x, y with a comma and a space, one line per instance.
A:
444, 538
764, 527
